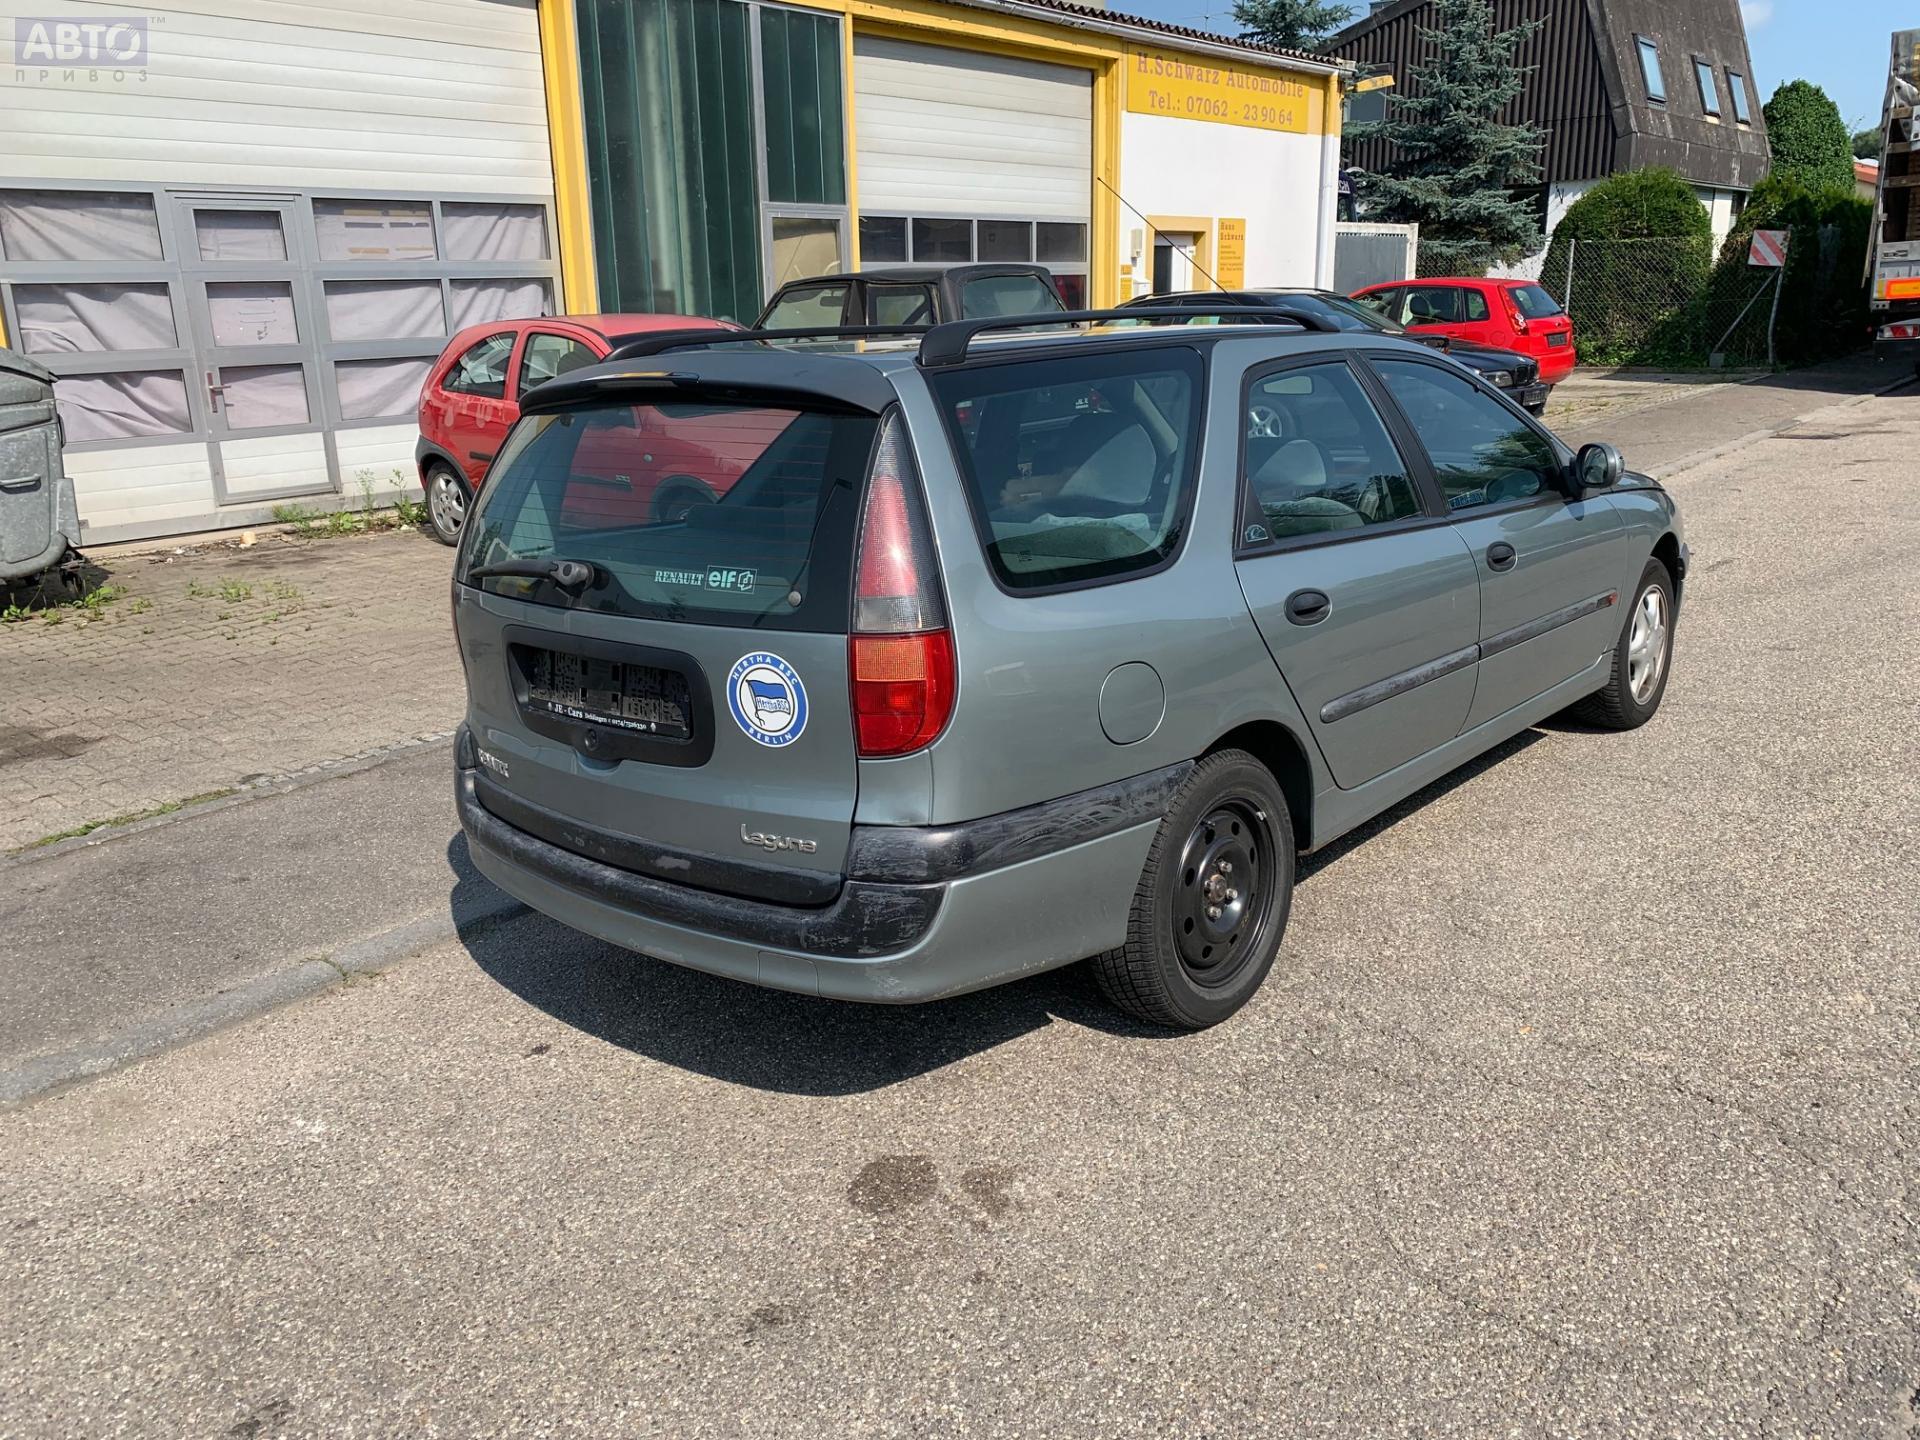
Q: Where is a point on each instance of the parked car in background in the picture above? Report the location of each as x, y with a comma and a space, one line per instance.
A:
472, 397
912, 295
987, 663
1511, 314
1514, 374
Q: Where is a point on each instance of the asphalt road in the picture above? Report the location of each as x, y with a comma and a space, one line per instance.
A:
1583, 1100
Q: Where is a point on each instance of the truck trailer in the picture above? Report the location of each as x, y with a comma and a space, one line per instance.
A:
1894, 260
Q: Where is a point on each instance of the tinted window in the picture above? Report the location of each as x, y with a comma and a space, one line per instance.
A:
1080, 467
1346, 314
943, 242
899, 305
549, 355
1482, 453
1476, 304
883, 238
993, 295
482, 368
807, 307
1318, 457
710, 513
1533, 302
1650, 68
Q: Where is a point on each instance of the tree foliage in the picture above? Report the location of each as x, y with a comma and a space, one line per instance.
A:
1823, 299
1637, 247
1452, 167
1809, 140
1866, 144
1636, 205
1289, 24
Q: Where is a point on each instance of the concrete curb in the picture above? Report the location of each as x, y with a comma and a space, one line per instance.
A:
1694, 459
197, 1019
242, 794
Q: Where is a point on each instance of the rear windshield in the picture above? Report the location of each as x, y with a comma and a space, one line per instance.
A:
1534, 303
1079, 468
716, 514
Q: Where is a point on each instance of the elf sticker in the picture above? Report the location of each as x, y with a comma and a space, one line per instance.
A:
767, 698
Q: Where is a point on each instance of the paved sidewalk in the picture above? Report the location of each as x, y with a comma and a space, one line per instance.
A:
217, 668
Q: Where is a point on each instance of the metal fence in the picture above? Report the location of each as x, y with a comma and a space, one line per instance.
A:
1676, 302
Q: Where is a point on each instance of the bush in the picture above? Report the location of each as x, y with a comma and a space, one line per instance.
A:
1808, 138
1823, 299
1641, 244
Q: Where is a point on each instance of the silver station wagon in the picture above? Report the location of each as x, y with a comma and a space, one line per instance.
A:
995, 652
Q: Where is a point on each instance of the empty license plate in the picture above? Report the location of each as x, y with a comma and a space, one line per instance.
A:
639, 698
1559, 339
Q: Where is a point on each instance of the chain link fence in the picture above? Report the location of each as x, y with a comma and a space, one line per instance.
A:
1676, 303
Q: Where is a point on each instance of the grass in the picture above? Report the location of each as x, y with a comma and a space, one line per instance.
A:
88, 607
127, 819
306, 523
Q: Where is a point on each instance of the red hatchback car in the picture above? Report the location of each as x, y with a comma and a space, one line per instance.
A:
472, 397
1509, 314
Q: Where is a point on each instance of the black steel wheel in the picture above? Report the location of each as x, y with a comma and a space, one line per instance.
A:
1212, 901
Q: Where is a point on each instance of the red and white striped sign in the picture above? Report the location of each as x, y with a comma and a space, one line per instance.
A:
1769, 249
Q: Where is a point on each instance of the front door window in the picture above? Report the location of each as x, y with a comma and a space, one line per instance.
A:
1483, 453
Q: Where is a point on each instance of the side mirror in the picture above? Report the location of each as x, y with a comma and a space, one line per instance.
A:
1598, 466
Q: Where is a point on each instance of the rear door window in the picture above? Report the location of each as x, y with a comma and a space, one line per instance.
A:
548, 355
992, 296
712, 513
1079, 468
1433, 305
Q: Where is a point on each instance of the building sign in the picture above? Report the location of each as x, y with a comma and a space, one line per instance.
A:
1192, 87
1230, 266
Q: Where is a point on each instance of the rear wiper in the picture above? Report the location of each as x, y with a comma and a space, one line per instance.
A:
567, 574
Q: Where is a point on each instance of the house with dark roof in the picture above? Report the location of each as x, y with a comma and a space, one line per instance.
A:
1615, 84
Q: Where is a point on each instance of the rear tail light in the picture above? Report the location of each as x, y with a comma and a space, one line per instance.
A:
900, 655
1901, 330
1519, 320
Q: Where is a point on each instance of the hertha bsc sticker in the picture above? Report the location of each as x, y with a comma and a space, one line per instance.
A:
767, 699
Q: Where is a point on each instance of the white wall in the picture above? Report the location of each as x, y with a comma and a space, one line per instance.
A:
432, 95
1270, 179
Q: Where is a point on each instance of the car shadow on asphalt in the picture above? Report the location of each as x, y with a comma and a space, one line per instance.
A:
800, 1044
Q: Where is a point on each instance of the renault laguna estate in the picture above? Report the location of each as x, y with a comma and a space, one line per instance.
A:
999, 652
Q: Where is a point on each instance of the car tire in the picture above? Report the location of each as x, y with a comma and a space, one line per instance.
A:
449, 498
1212, 901
1633, 691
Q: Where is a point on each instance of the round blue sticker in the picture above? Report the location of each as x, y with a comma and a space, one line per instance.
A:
767, 699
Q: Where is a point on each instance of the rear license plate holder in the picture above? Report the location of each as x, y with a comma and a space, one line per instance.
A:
1557, 339
610, 700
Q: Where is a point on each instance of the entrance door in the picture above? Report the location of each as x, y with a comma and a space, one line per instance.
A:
255, 348
1173, 271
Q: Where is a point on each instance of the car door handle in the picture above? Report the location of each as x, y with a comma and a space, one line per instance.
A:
1500, 556
1308, 607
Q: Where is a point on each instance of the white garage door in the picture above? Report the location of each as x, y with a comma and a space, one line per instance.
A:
954, 132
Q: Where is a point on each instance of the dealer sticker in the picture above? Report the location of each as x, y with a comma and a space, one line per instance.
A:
767, 698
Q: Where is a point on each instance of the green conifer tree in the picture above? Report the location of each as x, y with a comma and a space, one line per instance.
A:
1454, 168
1289, 24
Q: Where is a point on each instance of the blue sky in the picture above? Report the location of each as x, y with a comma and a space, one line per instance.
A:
1840, 45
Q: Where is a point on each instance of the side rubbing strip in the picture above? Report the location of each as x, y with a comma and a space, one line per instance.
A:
1519, 634
1354, 701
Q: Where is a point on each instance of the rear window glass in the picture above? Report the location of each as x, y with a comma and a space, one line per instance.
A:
1079, 468
719, 514
1534, 303
992, 296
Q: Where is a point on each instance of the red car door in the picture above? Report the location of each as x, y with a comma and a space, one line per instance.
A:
477, 406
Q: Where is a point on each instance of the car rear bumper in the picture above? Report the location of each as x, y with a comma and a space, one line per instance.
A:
1557, 363
924, 912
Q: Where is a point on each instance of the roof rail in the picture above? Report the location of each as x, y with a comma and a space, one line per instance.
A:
947, 344
704, 338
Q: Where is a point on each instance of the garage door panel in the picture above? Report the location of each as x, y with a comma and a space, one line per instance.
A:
955, 132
